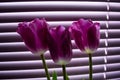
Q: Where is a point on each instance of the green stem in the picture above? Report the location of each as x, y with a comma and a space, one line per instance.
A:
45, 66
64, 72
90, 66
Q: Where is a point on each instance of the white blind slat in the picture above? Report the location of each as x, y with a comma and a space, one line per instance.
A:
53, 6
113, 75
53, 15
11, 27
70, 71
38, 64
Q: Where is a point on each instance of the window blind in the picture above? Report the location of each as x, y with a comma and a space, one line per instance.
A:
17, 62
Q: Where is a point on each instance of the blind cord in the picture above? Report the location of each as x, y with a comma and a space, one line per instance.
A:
106, 40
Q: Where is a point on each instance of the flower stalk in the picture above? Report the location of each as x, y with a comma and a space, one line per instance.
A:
45, 67
64, 72
90, 67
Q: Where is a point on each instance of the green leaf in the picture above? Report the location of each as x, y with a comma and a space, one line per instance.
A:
67, 77
54, 76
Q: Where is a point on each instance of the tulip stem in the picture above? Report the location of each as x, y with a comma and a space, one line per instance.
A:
90, 66
45, 67
64, 72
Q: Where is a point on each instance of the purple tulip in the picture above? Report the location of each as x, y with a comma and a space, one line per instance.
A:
86, 35
59, 44
34, 34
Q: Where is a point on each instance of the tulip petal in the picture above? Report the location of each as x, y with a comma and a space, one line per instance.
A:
27, 35
57, 33
84, 25
93, 36
41, 29
53, 47
78, 38
66, 46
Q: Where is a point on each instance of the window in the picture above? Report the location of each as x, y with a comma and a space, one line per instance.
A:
17, 62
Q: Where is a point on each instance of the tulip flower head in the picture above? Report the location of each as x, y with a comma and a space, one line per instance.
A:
34, 35
59, 44
86, 35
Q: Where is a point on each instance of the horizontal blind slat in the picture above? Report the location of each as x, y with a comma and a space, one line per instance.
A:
114, 0
113, 67
96, 76
26, 55
20, 46
114, 6
53, 15
40, 72
114, 24
113, 75
49, 0
113, 59
113, 50
37, 64
11, 27
15, 37
52, 6
114, 16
